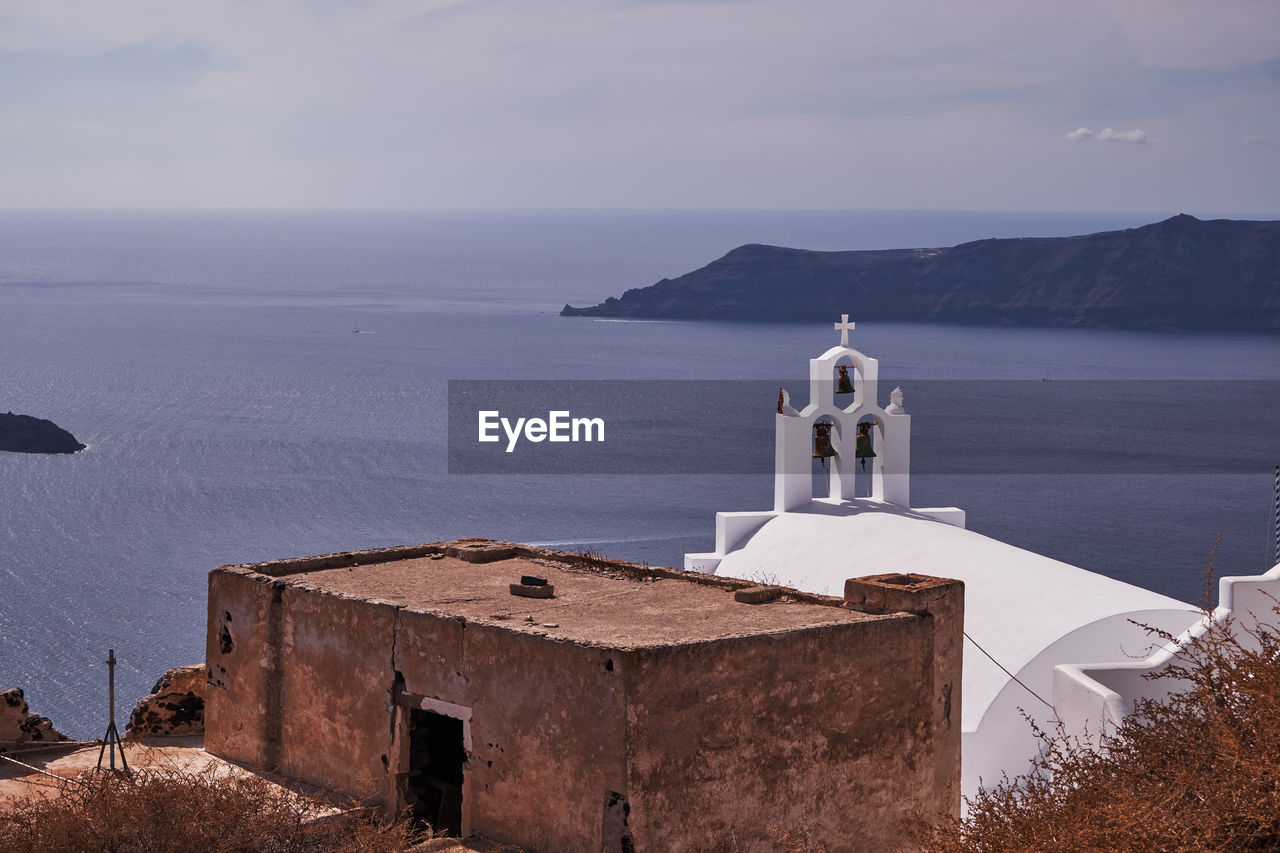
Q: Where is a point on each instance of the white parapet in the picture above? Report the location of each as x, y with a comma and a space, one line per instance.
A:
1092, 699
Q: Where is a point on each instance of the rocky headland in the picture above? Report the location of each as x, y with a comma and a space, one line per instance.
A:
19, 728
175, 705
27, 434
1182, 273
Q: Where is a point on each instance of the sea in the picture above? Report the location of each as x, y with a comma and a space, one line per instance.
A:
262, 385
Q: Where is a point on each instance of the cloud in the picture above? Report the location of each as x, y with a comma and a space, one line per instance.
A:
1138, 137
1107, 134
1256, 139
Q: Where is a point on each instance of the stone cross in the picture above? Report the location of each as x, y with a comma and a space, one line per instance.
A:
844, 327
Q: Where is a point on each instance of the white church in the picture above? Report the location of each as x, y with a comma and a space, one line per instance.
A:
1043, 639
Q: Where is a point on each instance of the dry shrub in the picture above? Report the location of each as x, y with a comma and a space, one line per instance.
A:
174, 810
1198, 771
795, 842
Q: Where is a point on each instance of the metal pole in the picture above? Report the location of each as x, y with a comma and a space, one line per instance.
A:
111, 699
1275, 554
111, 740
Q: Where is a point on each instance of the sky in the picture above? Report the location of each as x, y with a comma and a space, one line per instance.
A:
1091, 105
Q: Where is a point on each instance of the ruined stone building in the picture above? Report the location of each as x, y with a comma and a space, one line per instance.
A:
563, 703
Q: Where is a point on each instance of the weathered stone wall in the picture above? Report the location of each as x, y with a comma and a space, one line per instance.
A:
299, 682
335, 721
19, 727
175, 705
242, 708
941, 602
828, 734
546, 726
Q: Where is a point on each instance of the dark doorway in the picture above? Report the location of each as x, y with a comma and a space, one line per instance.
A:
436, 759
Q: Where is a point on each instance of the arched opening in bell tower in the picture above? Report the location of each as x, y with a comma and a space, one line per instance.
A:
826, 444
846, 382
868, 456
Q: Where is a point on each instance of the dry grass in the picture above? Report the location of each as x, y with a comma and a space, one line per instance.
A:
1197, 772
175, 810
795, 842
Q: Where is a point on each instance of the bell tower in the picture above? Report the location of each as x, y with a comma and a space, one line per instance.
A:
869, 442
864, 449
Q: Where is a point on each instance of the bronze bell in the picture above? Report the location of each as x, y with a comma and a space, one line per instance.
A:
843, 385
822, 442
863, 448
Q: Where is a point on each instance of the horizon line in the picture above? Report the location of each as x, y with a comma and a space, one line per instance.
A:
585, 209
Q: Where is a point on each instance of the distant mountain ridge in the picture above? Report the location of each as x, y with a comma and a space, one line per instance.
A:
1182, 273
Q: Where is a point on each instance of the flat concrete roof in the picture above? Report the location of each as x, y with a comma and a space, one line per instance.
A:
601, 602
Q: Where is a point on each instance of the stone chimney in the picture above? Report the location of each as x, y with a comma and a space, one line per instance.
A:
941, 601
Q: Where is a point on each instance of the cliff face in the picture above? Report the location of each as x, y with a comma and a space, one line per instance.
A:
25, 434
1182, 273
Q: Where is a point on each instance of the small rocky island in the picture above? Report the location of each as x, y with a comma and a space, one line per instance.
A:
1182, 273
27, 434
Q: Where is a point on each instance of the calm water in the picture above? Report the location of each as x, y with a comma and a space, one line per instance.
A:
209, 362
